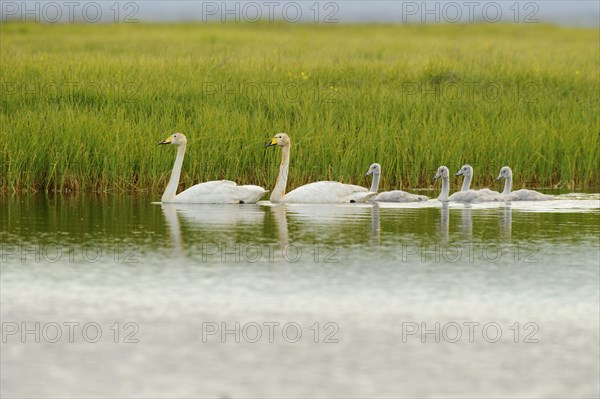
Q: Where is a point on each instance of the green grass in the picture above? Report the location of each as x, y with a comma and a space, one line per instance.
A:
84, 106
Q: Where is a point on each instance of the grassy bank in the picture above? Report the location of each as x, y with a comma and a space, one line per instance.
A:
83, 106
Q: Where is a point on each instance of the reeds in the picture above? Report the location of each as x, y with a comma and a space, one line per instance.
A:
83, 106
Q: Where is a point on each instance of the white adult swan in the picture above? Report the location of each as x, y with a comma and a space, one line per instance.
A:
390, 196
519, 195
212, 192
459, 196
319, 192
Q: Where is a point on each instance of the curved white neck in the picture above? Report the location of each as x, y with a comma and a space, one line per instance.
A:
445, 189
375, 183
507, 185
466, 183
279, 191
171, 189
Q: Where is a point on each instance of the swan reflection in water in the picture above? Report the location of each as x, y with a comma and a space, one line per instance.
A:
375, 226
279, 213
309, 224
504, 217
505, 222
170, 213
325, 223
466, 222
268, 224
443, 225
212, 223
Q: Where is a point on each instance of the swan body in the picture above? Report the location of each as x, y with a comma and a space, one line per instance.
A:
482, 195
212, 192
314, 193
519, 195
326, 192
389, 196
459, 196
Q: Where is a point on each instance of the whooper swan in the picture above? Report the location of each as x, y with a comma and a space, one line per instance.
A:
390, 196
319, 192
519, 195
459, 196
485, 194
212, 192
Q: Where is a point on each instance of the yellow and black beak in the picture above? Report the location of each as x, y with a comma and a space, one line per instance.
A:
167, 140
273, 142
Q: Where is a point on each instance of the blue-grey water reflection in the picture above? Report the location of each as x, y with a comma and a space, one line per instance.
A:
344, 296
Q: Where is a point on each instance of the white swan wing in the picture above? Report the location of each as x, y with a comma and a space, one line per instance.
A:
487, 191
475, 196
328, 192
398, 196
487, 195
220, 192
529, 195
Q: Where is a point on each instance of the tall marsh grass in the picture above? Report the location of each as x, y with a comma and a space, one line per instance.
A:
84, 106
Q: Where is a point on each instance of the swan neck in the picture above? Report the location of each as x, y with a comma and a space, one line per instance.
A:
466, 183
171, 189
507, 185
375, 183
445, 189
279, 191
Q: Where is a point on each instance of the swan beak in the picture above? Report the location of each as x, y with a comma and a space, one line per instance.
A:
435, 177
498, 178
369, 173
273, 142
167, 140
459, 173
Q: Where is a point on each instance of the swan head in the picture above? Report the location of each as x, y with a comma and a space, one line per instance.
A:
176, 138
442, 172
280, 139
466, 170
505, 172
374, 169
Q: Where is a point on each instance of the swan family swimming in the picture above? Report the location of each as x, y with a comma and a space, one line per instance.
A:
228, 192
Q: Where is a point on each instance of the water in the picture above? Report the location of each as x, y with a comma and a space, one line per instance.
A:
356, 291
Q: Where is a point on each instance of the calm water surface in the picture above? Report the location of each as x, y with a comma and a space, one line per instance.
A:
495, 300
